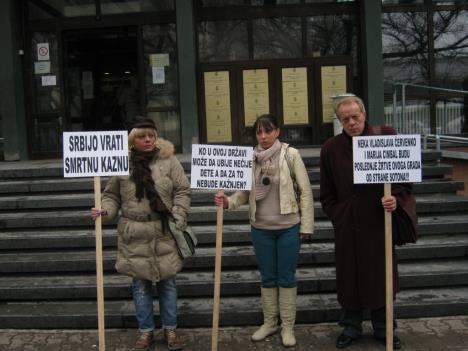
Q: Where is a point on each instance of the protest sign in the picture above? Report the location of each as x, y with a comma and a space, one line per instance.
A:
221, 167
90, 154
96, 154
387, 159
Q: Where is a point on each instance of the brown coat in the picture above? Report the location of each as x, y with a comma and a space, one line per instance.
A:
357, 215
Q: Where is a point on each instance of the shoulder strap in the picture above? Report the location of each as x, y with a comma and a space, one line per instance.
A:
292, 174
290, 166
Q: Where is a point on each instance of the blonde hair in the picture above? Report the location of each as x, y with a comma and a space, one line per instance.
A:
349, 100
138, 132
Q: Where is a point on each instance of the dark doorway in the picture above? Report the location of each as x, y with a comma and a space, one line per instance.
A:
101, 78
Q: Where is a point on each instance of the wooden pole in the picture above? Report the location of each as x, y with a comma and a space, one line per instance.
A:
217, 275
99, 270
389, 271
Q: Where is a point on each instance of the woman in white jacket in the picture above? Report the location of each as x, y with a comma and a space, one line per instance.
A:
281, 211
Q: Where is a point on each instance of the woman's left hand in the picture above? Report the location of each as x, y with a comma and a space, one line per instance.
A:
389, 203
301, 236
180, 222
96, 212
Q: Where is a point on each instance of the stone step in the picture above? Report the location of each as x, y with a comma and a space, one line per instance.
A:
80, 185
311, 308
47, 259
319, 279
427, 204
41, 198
237, 234
233, 257
47, 186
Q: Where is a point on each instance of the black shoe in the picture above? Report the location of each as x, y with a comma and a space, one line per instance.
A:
396, 342
344, 341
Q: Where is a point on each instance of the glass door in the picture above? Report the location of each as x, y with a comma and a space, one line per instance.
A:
46, 124
101, 85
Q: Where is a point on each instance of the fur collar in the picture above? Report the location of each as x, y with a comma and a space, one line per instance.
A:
166, 148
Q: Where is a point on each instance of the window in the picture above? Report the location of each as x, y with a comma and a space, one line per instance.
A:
405, 48
277, 38
222, 41
331, 35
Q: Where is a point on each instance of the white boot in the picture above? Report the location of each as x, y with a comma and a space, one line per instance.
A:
270, 314
287, 307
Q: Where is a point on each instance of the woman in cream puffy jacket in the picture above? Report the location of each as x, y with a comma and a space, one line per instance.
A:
156, 188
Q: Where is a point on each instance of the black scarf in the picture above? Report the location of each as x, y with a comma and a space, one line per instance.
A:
144, 182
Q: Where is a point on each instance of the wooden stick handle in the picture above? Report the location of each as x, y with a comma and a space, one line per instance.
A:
217, 275
99, 269
389, 271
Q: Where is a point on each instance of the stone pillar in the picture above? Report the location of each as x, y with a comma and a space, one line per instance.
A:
12, 111
186, 58
372, 67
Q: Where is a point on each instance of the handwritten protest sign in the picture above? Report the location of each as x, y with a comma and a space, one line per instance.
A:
221, 167
89, 154
387, 159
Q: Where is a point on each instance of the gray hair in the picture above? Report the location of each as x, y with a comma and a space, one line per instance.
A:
349, 100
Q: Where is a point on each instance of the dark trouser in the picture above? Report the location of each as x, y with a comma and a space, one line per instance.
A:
351, 321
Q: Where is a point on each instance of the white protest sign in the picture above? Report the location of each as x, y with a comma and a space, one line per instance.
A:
221, 167
91, 154
387, 159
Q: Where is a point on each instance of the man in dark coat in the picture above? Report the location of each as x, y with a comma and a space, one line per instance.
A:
357, 214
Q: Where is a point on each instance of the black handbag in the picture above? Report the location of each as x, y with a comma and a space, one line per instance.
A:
403, 229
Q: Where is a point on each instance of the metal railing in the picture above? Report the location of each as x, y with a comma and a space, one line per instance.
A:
416, 119
439, 138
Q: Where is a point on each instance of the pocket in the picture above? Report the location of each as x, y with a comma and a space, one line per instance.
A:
165, 246
123, 230
337, 214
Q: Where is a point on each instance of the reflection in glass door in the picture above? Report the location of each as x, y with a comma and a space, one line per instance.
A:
161, 79
101, 83
47, 108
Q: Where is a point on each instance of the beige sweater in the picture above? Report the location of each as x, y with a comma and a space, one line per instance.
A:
268, 215
287, 200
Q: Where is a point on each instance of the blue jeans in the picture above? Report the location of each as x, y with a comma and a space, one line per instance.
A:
351, 320
277, 253
143, 300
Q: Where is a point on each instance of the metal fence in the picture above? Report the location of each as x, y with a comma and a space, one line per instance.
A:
416, 118
410, 117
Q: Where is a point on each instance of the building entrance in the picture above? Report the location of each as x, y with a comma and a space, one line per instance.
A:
102, 90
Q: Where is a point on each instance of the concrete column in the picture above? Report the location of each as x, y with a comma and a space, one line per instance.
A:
12, 111
186, 57
372, 67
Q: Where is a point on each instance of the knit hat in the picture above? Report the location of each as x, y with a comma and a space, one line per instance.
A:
142, 122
